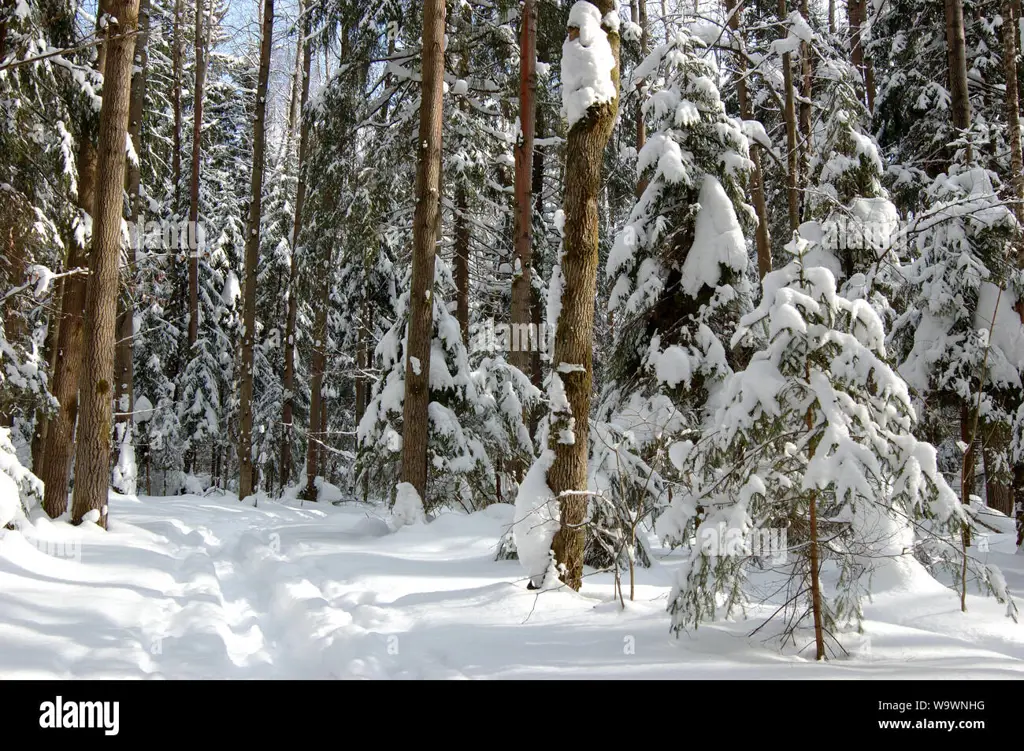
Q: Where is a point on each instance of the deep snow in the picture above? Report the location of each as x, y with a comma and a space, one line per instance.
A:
205, 587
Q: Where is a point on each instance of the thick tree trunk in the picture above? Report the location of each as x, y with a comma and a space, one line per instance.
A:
124, 372
426, 224
806, 67
762, 238
59, 446
92, 471
792, 154
522, 280
252, 244
574, 333
956, 55
287, 417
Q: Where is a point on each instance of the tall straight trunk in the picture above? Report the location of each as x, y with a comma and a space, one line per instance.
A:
807, 68
176, 106
252, 245
856, 13
763, 240
574, 332
956, 55
426, 223
461, 259
1011, 16
792, 157
522, 281
59, 445
124, 367
536, 303
197, 153
639, 16
316, 395
92, 471
461, 218
287, 417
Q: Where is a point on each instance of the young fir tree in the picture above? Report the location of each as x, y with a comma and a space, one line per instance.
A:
678, 270
814, 437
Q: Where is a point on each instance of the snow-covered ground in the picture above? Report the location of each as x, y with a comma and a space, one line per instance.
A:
194, 587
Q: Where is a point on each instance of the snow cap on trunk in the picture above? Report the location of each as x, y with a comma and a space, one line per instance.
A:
408, 506
587, 63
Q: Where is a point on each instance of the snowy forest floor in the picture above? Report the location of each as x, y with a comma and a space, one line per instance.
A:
204, 587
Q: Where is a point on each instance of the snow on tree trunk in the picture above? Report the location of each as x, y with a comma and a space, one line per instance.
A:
590, 80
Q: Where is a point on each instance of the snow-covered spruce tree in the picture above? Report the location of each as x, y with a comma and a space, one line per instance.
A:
942, 340
459, 470
20, 490
678, 269
853, 227
814, 438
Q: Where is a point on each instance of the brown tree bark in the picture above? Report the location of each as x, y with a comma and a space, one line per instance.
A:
856, 12
92, 471
252, 244
426, 223
316, 396
522, 280
956, 55
638, 12
792, 154
574, 333
59, 444
287, 416
762, 238
124, 372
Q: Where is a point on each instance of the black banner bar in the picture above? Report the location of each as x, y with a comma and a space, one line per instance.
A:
159, 710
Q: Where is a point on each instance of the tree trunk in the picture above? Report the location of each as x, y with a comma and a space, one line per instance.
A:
293, 291
124, 372
193, 207
59, 445
639, 13
252, 244
426, 223
856, 11
792, 157
956, 54
92, 472
807, 67
1011, 22
763, 240
574, 332
522, 280
316, 384
176, 106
